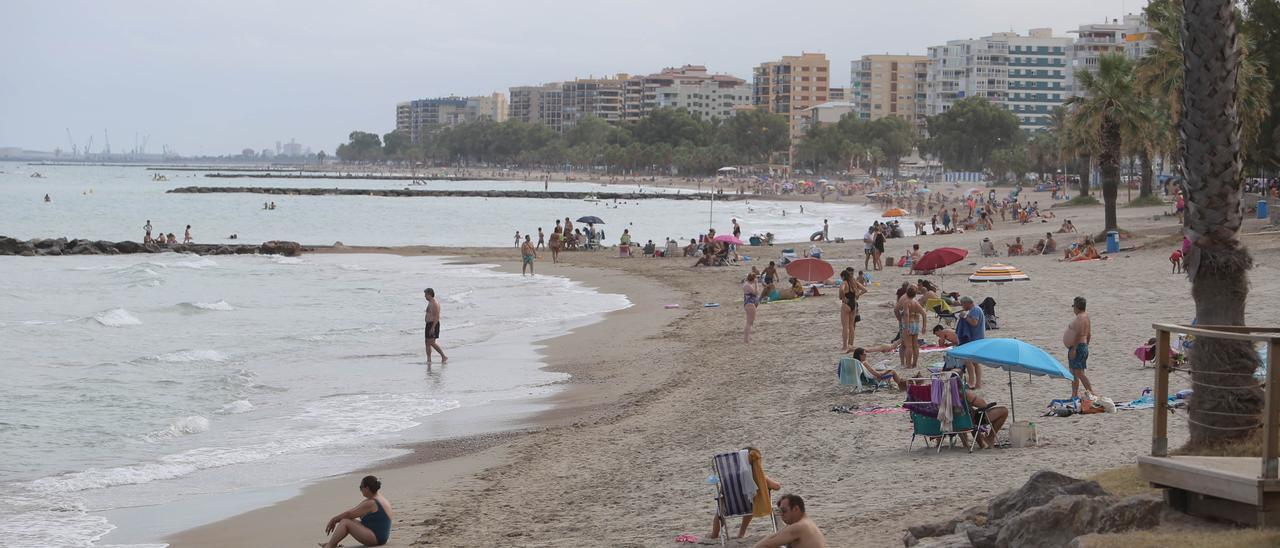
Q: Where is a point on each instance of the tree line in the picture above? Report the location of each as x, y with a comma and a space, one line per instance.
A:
664, 140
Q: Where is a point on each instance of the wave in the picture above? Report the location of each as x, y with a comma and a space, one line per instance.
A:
352, 267
116, 317
236, 407
281, 259
181, 426
198, 263
187, 356
219, 305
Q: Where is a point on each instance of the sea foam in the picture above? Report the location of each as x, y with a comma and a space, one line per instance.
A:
116, 317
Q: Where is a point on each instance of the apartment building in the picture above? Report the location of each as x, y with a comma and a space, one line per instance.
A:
890, 85
826, 114
1131, 37
1029, 75
598, 97
835, 94
542, 105
421, 117
791, 85
690, 87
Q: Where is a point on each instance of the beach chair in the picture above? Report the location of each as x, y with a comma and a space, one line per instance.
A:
735, 489
854, 373
924, 400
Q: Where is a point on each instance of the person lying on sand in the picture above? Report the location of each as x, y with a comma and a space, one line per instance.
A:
800, 532
794, 291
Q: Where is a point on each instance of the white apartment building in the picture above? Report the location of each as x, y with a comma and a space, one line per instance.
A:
1130, 37
1029, 75
691, 87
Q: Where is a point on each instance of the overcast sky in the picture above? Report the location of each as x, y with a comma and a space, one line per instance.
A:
213, 77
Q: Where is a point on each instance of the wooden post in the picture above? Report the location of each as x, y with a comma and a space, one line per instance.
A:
1160, 425
1271, 417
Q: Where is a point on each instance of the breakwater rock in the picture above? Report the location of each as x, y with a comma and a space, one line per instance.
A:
295, 174
410, 193
62, 246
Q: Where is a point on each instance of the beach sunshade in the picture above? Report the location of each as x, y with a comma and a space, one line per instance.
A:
726, 169
975, 191
999, 273
1011, 355
728, 238
940, 257
895, 212
810, 269
912, 181
591, 220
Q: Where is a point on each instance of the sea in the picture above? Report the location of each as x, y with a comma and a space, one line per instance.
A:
193, 388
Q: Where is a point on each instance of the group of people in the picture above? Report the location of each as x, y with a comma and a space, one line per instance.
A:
162, 238
1045, 246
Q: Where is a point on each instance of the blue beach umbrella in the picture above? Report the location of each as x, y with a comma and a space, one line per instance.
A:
1011, 355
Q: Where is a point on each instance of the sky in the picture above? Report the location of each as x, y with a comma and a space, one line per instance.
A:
215, 77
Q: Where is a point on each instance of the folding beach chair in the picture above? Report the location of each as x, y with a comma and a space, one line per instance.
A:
924, 408
853, 372
735, 489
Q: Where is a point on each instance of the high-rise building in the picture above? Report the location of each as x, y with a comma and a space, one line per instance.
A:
1028, 75
598, 97
835, 94
420, 117
1130, 37
791, 85
704, 95
890, 85
541, 105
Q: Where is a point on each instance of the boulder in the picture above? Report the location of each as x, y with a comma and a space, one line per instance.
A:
105, 247
13, 246
54, 251
84, 249
27, 253
281, 247
979, 536
936, 529
947, 541
50, 243
1134, 513
223, 250
1039, 490
128, 247
245, 250
151, 248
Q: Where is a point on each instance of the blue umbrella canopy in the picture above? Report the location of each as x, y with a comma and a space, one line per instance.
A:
1011, 355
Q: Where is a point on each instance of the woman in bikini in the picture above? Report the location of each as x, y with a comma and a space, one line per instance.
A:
750, 299
850, 290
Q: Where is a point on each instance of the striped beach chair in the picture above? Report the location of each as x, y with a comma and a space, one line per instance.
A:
735, 489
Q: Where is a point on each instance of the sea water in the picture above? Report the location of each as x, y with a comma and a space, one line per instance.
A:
142, 380
113, 203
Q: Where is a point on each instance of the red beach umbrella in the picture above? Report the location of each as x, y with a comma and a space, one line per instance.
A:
810, 269
941, 257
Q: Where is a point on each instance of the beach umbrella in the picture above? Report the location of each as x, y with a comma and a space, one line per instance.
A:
591, 220
940, 258
728, 238
912, 181
999, 274
895, 212
726, 169
810, 269
1011, 355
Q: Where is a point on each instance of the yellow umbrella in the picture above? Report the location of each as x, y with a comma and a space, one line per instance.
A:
895, 212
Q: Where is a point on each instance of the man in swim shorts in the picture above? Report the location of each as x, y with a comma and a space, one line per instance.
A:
432, 321
527, 254
1076, 339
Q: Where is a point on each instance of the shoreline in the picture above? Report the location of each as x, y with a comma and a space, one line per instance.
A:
442, 465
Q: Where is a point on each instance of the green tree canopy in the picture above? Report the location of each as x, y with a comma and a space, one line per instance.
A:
965, 136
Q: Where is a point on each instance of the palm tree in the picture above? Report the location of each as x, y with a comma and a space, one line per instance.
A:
1109, 110
1075, 143
1227, 400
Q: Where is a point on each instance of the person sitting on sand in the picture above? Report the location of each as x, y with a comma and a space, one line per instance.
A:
369, 522
1014, 249
1037, 249
1067, 226
1050, 245
690, 249
1088, 251
760, 504
946, 336
800, 532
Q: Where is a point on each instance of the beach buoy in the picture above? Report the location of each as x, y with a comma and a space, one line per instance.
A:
671, 306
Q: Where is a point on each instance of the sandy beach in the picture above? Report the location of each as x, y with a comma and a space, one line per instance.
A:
622, 459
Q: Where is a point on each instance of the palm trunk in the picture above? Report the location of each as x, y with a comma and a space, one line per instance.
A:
1109, 166
1148, 175
1084, 174
1227, 401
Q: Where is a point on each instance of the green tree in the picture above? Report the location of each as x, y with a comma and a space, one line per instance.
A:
1109, 109
894, 137
965, 136
1010, 161
395, 145
756, 134
1262, 26
360, 147
672, 126
1227, 400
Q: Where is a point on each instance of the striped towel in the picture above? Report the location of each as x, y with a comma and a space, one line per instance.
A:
735, 474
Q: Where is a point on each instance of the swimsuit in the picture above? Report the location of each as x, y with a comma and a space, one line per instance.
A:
433, 330
1082, 356
379, 523
528, 259
748, 298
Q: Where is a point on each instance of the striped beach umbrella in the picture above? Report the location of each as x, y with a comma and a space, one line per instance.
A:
999, 273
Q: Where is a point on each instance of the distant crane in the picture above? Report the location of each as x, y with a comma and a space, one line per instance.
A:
74, 151
106, 146
144, 143
88, 146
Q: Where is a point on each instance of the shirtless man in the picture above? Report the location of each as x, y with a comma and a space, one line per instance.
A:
542, 240
147, 227
432, 321
800, 532
527, 255
1076, 339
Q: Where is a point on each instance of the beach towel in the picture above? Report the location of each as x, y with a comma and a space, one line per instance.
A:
761, 505
847, 370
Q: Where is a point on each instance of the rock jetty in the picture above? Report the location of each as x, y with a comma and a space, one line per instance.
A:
409, 193
63, 246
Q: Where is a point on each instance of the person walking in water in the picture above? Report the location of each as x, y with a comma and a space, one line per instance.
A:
1076, 338
527, 255
432, 321
369, 522
186, 237
147, 227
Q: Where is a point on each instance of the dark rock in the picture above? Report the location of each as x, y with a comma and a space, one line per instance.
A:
1132, 513
54, 251
50, 243
281, 247
1039, 490
909, 540
106, 247
128, 247
151, 248
13, 246
935, 529
223, 250
981, 537
947, 541
27, 253
1054, 524
84, 249
245, 250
